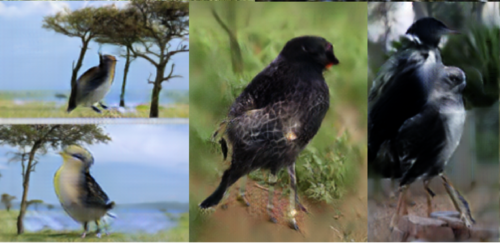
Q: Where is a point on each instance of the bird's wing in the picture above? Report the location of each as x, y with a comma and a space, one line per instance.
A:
94, 196
398, 63
90, 80
420, 141
399, 93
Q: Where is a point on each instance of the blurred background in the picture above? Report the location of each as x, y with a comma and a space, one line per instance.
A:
142, 168
473, 169
225, 55
36, 66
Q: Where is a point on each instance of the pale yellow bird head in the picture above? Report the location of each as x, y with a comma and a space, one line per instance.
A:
77, 156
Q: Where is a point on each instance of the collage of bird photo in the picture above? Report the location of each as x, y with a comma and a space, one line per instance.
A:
249, 121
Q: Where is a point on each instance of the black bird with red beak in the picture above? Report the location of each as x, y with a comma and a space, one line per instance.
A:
275, 117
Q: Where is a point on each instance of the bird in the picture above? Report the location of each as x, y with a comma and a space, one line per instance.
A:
426, 141
93, 85
275, 117
78, 192
401, 91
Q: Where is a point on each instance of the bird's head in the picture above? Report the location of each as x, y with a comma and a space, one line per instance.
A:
310, 49
108, 58
453, 80
77, 156
428, 31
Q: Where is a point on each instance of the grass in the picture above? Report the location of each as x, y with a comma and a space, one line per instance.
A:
9, 109
329, 167
180, 233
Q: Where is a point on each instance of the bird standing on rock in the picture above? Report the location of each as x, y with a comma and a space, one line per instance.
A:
80, 195
416, 115
276, 116
93, 85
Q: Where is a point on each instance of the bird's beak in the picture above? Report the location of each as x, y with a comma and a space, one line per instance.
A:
452, 32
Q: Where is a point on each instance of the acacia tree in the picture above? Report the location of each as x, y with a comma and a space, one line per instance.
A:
160, 23
7, 201
119, 27
32, 140
81, 23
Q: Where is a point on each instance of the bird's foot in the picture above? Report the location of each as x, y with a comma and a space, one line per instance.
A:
271, 214
394, 221
207, 211
242, 199
467, 219
103, 106
292, 222
96, 109
301, 207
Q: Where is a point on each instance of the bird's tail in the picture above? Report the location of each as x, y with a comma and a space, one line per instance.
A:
111, 215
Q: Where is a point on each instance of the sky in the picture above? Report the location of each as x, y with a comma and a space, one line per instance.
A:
34, 58
143, 163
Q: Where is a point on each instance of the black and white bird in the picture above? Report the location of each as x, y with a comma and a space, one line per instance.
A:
416, 115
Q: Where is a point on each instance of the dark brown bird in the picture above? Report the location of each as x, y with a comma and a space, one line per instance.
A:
277, 115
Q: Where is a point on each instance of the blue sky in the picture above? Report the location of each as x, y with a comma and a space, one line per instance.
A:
142, 163
33, 58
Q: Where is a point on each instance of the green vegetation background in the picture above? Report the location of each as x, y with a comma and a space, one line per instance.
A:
179, 233
330, 165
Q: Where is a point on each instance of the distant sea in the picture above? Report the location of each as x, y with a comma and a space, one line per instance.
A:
137, 218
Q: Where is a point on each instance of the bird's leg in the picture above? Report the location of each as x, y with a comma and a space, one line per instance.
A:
401, 201
293, 183
224, 203
430, 194
241, 194
294, 199
96, 109
98, 231
85, 229
459, 202
102, 105
270, 206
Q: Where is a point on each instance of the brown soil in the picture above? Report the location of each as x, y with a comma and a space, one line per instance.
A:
483, 202
344, 222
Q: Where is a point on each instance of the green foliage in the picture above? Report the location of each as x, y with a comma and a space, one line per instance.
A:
7, 200
327, 167
479, 58
51, 136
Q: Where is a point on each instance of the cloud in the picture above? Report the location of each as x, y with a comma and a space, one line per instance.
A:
20, 9
156, 145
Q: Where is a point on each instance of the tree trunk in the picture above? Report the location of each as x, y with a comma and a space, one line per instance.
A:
155, 97
125, 72
26, 181
83, 50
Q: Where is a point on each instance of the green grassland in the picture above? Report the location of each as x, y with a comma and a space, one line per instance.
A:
180, 233
8, 109
330, 166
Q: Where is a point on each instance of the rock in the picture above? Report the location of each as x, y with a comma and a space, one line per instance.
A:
442, 226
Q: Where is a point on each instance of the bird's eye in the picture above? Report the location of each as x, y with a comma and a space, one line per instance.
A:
78, 156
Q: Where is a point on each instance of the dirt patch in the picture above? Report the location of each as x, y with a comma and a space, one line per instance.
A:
343, 221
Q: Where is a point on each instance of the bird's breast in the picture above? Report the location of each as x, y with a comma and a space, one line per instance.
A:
454, 119
67, 182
